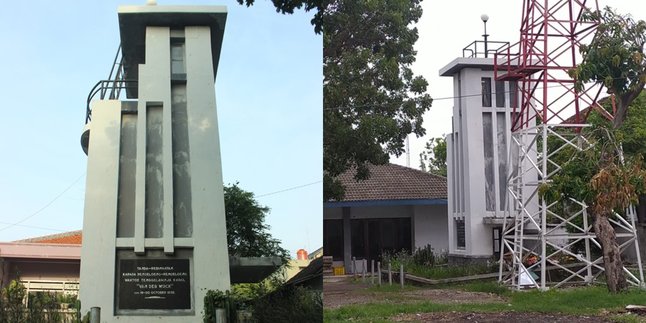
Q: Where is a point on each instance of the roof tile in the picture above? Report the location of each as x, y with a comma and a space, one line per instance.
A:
72, 237
393, 182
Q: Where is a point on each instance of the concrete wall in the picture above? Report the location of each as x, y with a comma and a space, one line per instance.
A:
430, 226
41, 269
467, 157
154, 184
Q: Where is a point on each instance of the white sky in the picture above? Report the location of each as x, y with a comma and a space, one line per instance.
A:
446, 27
269, 100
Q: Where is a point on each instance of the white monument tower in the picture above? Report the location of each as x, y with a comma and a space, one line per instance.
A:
154, 235
478, 150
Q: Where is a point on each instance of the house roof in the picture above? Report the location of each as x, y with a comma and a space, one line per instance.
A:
584, 113
72, 237
393, 182
312, 275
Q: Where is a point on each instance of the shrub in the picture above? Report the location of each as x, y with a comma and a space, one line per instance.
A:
425, 263
42, 307
266, 303
289, 304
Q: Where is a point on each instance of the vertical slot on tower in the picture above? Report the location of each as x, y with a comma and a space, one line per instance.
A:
154, 170
182, 199
177, 55
127, 167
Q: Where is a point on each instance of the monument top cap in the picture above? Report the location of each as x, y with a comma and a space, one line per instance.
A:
133, 21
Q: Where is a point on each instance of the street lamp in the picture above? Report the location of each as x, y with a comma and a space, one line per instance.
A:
484, 18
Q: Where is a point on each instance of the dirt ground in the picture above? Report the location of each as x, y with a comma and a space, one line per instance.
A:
341, 291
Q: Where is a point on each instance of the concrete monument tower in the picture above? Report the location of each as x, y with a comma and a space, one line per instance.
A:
154, 235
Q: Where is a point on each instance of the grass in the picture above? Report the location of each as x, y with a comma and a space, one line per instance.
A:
441, 272
593, 300
581, 300
487, 286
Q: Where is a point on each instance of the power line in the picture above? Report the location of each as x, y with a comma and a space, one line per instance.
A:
9, 225
33, 227
434, 99
289, 189
45, 206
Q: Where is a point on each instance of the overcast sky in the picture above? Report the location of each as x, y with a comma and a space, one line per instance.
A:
269, 99
446, 27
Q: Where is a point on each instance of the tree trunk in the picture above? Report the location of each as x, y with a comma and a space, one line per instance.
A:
615, 277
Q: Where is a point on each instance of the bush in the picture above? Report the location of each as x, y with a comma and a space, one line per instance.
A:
266, 303
425, 263
42, 307
289, 304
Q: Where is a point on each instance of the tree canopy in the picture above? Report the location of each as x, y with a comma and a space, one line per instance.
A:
247, 233
433, 158
372, 100
606, 177
615, 58
288, 7
602, 175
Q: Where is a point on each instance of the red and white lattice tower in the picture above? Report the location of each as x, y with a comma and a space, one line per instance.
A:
550, 243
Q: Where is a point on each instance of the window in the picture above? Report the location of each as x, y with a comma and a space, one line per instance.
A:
497, 241
500, 94
486, 92
460, 233
178, 58
333, 239
371, 238
513, 101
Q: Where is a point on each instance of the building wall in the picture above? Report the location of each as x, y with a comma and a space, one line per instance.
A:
175, 208
381, 212
41, 269
478, 150
430, 226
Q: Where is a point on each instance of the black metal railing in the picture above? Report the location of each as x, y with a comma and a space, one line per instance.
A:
109, 89
481, 48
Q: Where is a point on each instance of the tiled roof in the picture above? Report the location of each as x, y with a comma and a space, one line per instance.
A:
311, 275
586, 112
72, 237
393, 182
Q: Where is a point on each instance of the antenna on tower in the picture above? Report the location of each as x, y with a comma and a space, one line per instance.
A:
407, 151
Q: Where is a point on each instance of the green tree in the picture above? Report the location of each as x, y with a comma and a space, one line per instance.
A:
247, 233
433, 158
614, 58
288, 7
371, 98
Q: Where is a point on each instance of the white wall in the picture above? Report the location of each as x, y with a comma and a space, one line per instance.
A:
430, 226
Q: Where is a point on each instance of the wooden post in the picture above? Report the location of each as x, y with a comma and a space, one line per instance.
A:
401, 275
379, 273
354, 267
390, 275
372, 271
364, 264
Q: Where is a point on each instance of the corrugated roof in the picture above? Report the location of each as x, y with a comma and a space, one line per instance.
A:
72, 237
393, 182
